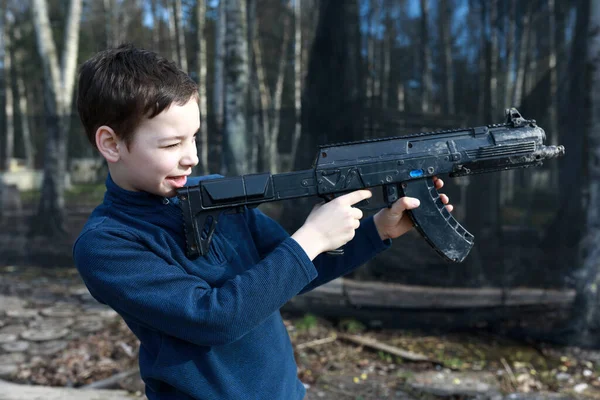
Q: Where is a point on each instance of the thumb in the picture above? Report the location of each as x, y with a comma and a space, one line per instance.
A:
405, 203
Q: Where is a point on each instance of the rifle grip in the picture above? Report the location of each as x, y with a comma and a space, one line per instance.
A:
435, 223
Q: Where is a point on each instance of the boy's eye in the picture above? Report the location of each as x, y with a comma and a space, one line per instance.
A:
170, 146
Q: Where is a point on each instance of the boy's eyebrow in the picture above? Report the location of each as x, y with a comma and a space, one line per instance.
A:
176, 137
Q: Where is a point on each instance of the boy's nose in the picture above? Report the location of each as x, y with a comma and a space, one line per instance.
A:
190, 158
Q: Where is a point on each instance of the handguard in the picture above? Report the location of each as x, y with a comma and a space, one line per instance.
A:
435, 223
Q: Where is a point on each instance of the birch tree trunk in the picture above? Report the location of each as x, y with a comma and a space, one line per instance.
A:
297, 79
427, 86
445, 14
8, 92
3, 73
274, 163
202, 138
59, 82
23, 101
183, 64
264, 97
236, 83
590, 279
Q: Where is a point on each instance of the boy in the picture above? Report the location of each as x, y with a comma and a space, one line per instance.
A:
209, 328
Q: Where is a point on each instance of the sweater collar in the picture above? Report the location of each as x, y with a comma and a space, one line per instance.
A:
117, 195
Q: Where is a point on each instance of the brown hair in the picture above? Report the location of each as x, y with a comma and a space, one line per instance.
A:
121, 86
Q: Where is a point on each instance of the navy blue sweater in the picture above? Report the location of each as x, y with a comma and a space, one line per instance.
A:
208, 328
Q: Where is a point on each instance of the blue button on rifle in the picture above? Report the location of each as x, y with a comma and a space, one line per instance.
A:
416, 173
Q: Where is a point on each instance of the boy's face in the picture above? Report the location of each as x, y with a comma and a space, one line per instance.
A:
162, 152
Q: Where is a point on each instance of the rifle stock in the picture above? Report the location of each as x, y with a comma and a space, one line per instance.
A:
401, 166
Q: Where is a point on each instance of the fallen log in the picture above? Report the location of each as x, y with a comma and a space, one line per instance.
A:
348, 292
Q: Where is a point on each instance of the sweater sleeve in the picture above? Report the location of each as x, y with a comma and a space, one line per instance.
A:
267, 235
144, 288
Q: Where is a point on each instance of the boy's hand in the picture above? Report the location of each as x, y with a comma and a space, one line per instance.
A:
331, 225
394, 222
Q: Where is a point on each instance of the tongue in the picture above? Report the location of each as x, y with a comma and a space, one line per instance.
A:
179, 181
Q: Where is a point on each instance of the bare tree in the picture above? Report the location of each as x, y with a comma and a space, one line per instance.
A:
386, 56
494, 59
277, 98
507, 179
370, 34
155, 25
553, 112
427, 84
8, 92
445, 15
183, 64
531, 75
172, 31
219, 79
203, 134
522, 60
59, 81
271, 103
590, 278
511, 52
297, 77
23, 101
482, 59
3, 73
255, 138
109, 13
264, 93
236, 83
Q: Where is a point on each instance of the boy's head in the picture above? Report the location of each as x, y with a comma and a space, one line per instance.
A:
141, 112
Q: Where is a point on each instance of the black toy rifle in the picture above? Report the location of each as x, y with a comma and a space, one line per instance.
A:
401, 166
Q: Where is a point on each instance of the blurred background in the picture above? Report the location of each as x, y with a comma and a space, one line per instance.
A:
278, 78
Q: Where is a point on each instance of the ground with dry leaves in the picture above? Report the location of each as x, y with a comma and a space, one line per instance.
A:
79, 343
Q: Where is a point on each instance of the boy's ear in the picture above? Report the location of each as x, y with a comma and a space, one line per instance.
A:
108, 143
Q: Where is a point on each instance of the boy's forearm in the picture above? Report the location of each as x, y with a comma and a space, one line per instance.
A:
308, 241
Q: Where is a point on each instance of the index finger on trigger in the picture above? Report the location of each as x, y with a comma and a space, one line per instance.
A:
355, 197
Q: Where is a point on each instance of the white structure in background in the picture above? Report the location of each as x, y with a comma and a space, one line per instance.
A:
24, 178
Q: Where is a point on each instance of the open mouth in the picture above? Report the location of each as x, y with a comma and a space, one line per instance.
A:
177, 181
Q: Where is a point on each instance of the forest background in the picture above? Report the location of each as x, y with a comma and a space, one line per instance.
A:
280, 77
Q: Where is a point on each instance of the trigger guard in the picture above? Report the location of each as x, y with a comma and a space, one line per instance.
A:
435, 223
